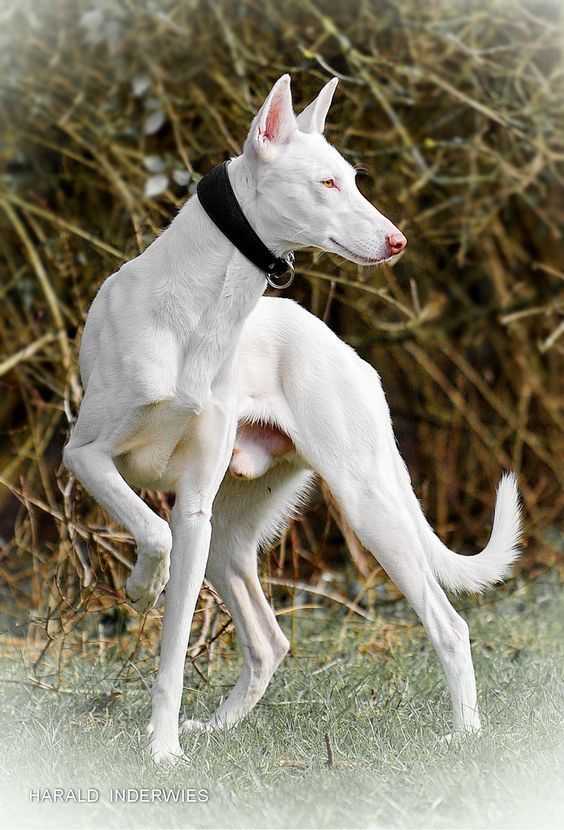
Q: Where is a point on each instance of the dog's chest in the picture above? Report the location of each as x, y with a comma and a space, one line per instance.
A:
192, 369
174, 343
206, 356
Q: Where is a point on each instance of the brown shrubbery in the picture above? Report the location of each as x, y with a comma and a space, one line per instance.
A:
110, 111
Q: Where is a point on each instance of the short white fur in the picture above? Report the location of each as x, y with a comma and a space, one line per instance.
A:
159, 361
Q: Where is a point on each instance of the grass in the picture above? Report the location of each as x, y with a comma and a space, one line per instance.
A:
375, 693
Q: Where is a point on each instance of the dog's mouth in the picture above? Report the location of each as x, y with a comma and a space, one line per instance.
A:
363, 259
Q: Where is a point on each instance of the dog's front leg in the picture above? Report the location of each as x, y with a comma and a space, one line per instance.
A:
93, 465
206, 461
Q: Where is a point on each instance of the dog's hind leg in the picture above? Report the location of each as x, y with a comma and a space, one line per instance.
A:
248, 511
345, 434
262, 641
386, 528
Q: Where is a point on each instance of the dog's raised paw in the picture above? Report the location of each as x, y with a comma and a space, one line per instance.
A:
145, 584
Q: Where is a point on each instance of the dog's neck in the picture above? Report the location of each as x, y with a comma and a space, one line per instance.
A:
243, 178
192, 245
244, 183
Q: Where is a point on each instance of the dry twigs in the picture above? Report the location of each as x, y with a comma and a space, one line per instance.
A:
108, 116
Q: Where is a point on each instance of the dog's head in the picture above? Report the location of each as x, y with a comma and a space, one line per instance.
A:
306, 191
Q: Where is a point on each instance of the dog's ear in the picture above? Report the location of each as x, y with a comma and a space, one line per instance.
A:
312, 119
274, 124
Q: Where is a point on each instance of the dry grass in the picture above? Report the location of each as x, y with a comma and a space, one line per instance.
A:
457, 112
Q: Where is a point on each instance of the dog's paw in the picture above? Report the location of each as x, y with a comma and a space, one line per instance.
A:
164, 749
195, 726
146, 583
150, 574
446, 741
458, 737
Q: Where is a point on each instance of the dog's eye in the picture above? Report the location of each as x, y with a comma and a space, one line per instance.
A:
328, 183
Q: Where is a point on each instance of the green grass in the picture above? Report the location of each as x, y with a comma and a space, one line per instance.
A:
382, 701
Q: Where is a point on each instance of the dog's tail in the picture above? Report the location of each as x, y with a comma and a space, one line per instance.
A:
458, 572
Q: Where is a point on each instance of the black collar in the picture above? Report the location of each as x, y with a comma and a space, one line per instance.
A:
220, 203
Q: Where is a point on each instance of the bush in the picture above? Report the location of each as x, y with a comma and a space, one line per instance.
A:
111, 111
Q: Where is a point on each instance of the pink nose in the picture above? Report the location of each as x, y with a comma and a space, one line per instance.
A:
396, 242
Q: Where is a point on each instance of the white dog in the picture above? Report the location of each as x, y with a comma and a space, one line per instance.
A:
308, 402
158, 356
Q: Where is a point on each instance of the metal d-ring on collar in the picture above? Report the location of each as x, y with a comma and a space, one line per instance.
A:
270, 275
218, 199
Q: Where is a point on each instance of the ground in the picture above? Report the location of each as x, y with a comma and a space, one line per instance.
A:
347, 735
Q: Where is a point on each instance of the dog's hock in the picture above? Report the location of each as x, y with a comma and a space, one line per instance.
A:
272, 128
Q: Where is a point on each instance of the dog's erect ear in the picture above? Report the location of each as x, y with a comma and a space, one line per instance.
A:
312, 119
274, 124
